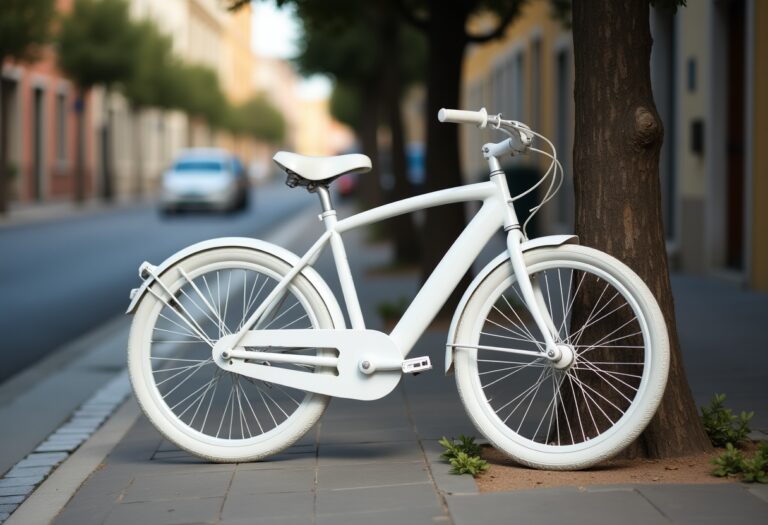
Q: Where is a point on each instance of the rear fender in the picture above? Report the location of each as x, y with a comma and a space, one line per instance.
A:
240, 242
540, 242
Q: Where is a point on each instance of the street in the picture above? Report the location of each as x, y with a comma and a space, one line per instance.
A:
63, 278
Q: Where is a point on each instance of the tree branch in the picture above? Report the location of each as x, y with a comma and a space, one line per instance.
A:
420, 23
504, 21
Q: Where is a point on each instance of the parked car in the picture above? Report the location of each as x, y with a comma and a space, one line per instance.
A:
205, 178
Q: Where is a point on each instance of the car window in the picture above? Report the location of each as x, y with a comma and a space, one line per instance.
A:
198, 165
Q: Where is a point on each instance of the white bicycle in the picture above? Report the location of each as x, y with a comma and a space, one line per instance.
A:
560, 351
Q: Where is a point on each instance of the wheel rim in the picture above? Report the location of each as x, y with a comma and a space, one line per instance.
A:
553, 410
203, 401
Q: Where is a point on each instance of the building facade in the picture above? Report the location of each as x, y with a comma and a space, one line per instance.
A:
710, 86
43, 136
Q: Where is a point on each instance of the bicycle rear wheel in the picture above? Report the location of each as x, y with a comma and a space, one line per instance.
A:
578, 415
203, 409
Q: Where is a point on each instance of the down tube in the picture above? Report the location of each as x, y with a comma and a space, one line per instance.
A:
446, 276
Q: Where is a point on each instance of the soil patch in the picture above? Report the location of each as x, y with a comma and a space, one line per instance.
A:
505, 475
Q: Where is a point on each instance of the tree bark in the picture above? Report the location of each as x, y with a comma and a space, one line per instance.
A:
616, 176
369, 187
403, 230
447, 40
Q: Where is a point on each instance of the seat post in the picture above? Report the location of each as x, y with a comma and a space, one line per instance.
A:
325, 198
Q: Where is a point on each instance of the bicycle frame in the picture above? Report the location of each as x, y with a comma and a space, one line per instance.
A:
496, 212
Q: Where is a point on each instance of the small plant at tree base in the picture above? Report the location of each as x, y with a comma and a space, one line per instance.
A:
729, 463
463, 463
465, 444
755, 469
464, 455
722, 425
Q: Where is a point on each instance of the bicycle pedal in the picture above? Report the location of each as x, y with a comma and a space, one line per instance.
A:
417, 365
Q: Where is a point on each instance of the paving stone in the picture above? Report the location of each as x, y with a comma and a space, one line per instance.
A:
554, 506
20, 490
306, 519
70, 436
398, 451
173, 512
272, 481
263, 506
684, 504
416, 495
43, 459
4, 516
6, 508
56, 447
166, 445
10, 500
23, 472
282, 461
370, 475
364, 435
178, 485
761, 491
441, 472
413, 516
17, 482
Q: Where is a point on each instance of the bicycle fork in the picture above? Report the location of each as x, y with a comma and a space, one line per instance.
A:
561, 355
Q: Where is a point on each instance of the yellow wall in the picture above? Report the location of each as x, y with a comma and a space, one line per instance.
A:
693, 43
759, 261
238, 57
534, 22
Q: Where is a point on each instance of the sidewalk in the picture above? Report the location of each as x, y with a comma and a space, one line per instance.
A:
378, 462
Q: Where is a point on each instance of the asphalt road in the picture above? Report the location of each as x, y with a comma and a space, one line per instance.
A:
62, 278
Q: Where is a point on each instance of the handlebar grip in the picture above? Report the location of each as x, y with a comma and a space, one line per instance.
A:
458, 116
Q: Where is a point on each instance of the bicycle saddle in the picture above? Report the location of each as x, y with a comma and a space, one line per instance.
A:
321, 169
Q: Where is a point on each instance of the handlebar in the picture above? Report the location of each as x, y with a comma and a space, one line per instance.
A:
520, 135
458, 116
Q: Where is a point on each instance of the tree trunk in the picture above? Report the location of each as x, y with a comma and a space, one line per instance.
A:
5, 104
369, 187
107, 189
403, 230
618, 198
443, 224
138, 154
79, 190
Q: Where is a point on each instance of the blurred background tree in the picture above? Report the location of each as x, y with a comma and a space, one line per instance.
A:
149, 84
445, 26
200, 96
373, 60
96, 42
258, 118
24, 28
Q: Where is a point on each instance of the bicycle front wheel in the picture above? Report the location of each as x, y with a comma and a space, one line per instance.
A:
203, 409
566, 416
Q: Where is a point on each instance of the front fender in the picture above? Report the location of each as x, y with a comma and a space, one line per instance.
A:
540, 242
252, 244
